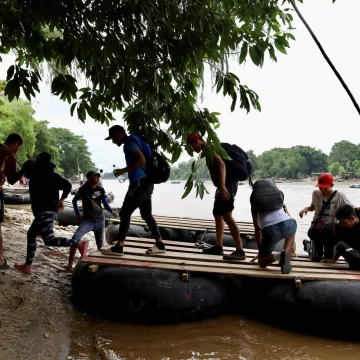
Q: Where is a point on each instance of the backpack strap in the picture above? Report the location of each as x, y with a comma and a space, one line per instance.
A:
325, 205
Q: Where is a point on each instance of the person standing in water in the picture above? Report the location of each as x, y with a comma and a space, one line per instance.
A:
44, 187
140, 189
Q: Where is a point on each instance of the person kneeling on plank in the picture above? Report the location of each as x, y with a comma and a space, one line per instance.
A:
272, 224
91, 194
140, 189
347, 235
44, 187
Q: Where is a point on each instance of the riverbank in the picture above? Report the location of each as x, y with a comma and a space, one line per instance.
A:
37, 319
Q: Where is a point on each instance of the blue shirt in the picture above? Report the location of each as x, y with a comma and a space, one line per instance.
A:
130, 145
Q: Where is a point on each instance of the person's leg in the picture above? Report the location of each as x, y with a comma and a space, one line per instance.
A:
239, 253
83, 228
99, 228
351, 255
219, 227
146, 213
130, 204
3, 263
287, 229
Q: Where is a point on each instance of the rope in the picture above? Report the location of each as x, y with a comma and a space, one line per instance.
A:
325, 56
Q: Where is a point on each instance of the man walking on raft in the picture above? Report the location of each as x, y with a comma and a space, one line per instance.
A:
44, 187
140, 189
224, 202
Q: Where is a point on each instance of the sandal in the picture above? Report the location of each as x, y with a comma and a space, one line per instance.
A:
22, 268
4, 266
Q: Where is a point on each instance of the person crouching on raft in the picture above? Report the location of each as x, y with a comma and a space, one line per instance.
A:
44, 187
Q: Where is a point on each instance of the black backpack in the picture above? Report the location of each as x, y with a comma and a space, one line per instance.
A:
157, 169
266, 196
239, 167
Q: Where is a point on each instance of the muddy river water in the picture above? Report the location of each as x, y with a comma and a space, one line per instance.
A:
224, 337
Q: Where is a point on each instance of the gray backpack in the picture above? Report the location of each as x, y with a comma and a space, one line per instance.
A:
266, 196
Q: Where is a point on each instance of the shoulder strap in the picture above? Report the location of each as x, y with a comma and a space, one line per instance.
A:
325, 205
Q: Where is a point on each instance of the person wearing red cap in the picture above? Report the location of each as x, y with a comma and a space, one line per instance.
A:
325, 210
224, 202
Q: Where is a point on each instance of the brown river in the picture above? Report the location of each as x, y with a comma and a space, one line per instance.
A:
225, 337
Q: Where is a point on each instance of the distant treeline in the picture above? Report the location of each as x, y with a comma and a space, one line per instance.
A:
291, 163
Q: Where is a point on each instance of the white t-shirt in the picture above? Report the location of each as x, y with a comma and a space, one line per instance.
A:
329, 214
81, 177
273, 217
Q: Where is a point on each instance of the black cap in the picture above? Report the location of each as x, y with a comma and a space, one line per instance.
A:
116, 129
92, 173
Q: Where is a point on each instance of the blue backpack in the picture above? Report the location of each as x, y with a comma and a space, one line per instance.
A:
157, 170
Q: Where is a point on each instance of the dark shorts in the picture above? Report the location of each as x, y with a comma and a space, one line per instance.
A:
221, 206
272, 234
1, 206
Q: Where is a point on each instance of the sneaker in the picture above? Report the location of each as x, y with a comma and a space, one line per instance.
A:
235, 255
115, 250
214, 250
155, 250
285, 262
306, 244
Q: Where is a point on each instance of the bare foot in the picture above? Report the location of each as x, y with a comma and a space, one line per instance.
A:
67, 267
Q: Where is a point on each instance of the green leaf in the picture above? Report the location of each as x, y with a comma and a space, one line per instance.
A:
243, 52
220, 83
10, 72
176, 154
280, 47
233, 102
188, 190
72, 108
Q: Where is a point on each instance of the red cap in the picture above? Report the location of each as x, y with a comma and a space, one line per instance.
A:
325, 181
193, 137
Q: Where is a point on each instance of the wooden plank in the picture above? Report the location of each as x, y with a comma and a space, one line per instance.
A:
135, 250
223, 264
185, 227
192, 219
206, 224
187, 245
263, 273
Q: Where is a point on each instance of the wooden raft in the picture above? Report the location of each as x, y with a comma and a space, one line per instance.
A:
245, 228
184, 256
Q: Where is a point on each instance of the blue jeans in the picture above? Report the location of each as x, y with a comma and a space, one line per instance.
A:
272, 234
86, 226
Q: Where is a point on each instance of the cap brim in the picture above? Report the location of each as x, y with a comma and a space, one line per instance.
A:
108, 138
323, 186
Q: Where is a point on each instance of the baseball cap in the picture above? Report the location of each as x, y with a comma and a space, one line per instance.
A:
193, 137
92, 173
325, 181
116, 129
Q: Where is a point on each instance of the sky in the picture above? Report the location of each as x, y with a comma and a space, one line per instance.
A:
303, 103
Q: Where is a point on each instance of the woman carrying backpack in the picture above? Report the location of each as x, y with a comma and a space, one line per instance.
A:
272, 224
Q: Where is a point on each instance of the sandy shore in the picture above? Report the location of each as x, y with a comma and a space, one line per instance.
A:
37, 320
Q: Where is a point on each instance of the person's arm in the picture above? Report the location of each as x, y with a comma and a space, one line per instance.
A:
76, 198
10, 170
65, 186
138, 160
221, 171
257, 228
305, 210
108, 207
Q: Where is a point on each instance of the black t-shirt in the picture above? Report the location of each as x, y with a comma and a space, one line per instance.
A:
350, 235
91, 200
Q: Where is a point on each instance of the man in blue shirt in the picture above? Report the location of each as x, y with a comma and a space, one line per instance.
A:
140, 189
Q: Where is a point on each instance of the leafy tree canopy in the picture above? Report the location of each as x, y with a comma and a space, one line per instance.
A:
67, 149
143, 57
